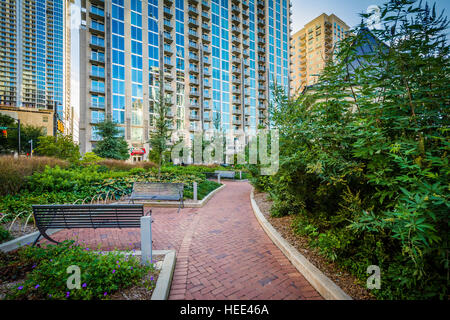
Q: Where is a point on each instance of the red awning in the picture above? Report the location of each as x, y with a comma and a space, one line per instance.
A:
138, 151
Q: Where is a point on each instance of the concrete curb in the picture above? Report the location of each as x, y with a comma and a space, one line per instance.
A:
327, 288
164, 282
23, 240
165, 204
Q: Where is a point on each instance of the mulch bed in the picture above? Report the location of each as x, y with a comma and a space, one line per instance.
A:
347, 282
19, 229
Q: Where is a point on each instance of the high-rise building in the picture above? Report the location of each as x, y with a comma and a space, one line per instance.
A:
312, 46
32, 55
214, 61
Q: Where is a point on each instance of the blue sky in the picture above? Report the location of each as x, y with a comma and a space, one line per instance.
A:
304, 11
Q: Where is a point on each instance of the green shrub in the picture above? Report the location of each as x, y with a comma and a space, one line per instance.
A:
90, 158
5, 235
102, 273
364, 155
61, 147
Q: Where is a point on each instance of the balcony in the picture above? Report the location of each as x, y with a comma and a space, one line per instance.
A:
237, 111
194, 105
193, 34
168, 37
206, 38
168, 87
168, 12
193, 22
206, 16
168, 25
235, 30
194, 93
206, 26
194, 117
235, 60
236, 80
193, 46
236, 71
168, 49
193, 58
193, 69
206, 50
192, 10
237, 121
235, 50
236, 91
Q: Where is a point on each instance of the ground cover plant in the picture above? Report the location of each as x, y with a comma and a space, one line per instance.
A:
41, 272
364, 154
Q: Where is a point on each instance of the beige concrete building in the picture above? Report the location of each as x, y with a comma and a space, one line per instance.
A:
312, 46
214, 62
31, 116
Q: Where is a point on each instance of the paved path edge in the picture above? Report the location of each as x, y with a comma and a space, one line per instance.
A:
164, 282
324, 285
23, 240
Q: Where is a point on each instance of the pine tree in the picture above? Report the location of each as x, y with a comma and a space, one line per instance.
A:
111, 145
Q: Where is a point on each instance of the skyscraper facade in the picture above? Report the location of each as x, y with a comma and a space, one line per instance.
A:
312, 46
32, 54
213, 60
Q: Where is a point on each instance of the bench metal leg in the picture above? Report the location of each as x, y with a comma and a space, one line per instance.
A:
46, 236
37, 239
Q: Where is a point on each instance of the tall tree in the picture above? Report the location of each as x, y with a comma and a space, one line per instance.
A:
111, 145
61, 147
160, 135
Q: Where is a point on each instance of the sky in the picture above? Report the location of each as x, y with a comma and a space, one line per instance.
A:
304, 11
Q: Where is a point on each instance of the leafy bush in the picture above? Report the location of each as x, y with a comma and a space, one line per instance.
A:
102, 273
364, 156
90, 158
5, 235
61, 147
14, 172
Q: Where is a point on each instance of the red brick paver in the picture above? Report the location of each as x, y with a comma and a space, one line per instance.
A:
222, 251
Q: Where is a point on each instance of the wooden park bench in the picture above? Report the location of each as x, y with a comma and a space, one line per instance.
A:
86, 216
158, 191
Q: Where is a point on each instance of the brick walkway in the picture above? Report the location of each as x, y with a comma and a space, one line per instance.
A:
222, 252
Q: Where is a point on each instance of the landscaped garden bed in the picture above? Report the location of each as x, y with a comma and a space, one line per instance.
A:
49, 181
41, 273
286, 227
